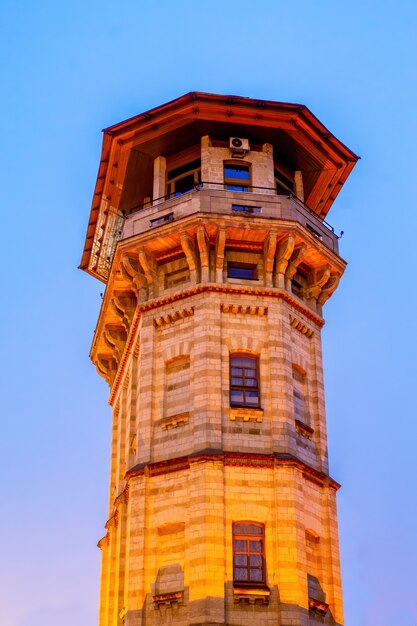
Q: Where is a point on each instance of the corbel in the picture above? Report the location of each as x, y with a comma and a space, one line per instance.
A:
219, 254
115, 338
270, 247
106, 366
188, 248
329, 288
295, 260
147, 263
134, 274
124, 305
316, 280
204, 249
283, 254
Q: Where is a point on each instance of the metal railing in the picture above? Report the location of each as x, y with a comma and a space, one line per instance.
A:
216, 186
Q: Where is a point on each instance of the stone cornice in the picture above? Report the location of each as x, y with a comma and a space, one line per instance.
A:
236, 459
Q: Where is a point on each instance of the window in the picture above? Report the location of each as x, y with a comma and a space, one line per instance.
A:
248, 553
245, 208
183, 179
298, 284
244, 381
242, 270
157, 221
236, 177
283, 185
299, 391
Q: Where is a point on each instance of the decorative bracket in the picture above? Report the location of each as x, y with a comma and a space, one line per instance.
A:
204, 249
284, 251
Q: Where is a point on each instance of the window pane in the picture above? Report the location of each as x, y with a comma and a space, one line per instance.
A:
252, 398
184, 184
236, 188
250, 382
242, 361
255, 546
239, 271
256, 575
241, 559
247, 529
236, 396
240, 172
256, 560
240, 545
241, 574
237, 381
188, 167
237, 371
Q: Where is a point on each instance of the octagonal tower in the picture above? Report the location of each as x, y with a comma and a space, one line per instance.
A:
208, 228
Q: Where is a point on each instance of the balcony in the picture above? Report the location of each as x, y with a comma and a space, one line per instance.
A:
207, 198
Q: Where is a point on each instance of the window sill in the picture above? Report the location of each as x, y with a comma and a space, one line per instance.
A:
318, 607
304, 430
175, 420
246, 414
251, 595
168, 599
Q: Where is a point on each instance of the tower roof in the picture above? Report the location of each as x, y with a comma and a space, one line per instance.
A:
292, 129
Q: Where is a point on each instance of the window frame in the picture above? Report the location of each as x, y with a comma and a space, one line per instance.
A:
243, 387
195, 171
243, 266
248, 537
237, 182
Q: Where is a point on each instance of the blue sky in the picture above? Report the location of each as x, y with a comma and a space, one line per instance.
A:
70, 69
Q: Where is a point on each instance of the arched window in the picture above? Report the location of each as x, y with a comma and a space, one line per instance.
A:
236, 176
244, 381
248, 553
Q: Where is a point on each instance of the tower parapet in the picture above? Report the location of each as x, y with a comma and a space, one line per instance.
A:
208, 228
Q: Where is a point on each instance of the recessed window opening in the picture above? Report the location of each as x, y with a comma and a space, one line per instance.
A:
247, 271
245, 208
283, 185
244, 381
236, 177
184, 179
157, 221
315, 232
298, 283
248, 554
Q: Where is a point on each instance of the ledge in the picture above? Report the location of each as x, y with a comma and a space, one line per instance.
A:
251, 595
318, 607
246, 415
168, 599
304, 429
175, 420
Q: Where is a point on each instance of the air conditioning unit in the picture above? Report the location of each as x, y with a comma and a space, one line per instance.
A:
239, 146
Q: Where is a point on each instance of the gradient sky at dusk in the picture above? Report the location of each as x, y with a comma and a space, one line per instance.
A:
71, 69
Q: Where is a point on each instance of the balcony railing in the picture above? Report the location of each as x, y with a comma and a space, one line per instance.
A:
258, 202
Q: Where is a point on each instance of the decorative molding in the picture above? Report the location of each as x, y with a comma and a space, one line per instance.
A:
251, 596
168, 600
104, 541
304, 430
244, 309
301, 327
210, 288
246, 415
173, 421
169, 318
318, 607
237, 459
126, 380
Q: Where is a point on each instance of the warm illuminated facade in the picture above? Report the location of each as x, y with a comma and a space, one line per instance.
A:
207, 227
